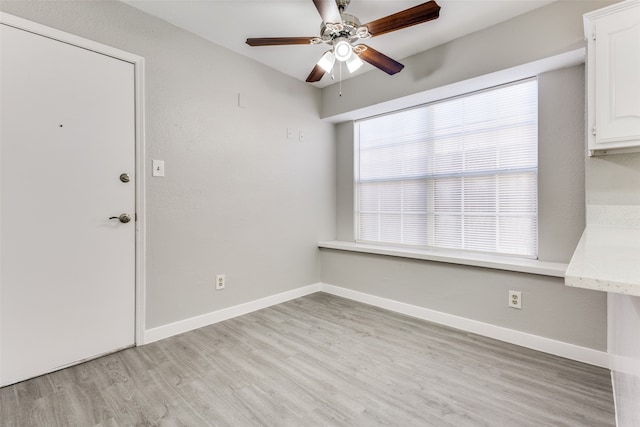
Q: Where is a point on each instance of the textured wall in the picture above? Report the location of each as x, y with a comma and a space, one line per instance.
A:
238, 197
344, 182
613, 180
561, 142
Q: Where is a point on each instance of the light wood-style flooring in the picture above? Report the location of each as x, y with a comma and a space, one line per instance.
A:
319, 360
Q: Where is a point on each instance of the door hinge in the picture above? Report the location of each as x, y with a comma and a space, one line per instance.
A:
135, 217
593, 131
593, 35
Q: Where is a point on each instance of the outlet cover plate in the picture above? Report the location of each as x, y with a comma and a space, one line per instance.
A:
220, 282
515, 299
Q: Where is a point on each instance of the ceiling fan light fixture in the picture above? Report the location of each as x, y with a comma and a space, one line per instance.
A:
354, 62
327, 61
342, 31
342, 50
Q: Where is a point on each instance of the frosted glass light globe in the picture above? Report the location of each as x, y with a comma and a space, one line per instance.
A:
342, 50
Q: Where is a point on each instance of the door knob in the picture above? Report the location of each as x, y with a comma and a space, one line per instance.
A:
122, 218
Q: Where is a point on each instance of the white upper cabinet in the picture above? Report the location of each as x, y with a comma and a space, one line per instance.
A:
613, 78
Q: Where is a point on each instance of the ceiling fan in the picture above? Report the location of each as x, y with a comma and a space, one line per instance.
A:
342, 32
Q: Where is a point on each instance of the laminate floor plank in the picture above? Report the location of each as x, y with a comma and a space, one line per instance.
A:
319, 360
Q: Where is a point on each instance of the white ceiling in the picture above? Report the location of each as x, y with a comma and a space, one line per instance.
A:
230, 22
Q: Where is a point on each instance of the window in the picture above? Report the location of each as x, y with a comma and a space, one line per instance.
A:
459, 173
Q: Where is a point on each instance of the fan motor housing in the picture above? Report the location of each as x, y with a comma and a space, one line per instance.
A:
348, 29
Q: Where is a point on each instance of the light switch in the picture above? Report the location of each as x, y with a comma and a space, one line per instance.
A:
158, 167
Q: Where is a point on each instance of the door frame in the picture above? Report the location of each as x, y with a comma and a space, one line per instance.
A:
140, 162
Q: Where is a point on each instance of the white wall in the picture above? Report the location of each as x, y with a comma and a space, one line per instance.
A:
238, 197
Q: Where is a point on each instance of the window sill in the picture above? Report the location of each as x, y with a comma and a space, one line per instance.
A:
531, 266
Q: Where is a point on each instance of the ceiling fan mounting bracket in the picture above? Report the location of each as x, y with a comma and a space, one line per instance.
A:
342, 4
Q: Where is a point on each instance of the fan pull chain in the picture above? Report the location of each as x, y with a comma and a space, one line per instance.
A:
340, 65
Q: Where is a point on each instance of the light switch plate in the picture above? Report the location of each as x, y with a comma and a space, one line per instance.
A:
158, 167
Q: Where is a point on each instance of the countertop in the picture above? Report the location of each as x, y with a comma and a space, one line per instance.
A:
607, 259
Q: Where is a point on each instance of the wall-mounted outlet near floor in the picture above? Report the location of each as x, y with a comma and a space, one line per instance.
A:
515, 299
220, 282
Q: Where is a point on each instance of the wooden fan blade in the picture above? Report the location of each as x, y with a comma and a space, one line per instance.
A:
316, 74
328, 10
276, 41
380, 60
415, 15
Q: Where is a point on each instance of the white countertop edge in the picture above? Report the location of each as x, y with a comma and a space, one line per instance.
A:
602, 285
587, 269
520, 265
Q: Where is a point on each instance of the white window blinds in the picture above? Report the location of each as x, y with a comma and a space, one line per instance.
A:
459, 173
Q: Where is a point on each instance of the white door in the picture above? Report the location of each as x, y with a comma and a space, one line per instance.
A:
67, 271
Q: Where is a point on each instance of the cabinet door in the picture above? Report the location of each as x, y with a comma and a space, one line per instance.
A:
617, 76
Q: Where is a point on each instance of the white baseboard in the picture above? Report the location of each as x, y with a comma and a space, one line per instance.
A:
166, 331
535, 342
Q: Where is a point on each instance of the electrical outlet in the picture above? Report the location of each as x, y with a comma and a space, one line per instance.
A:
515, 299
220, 282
